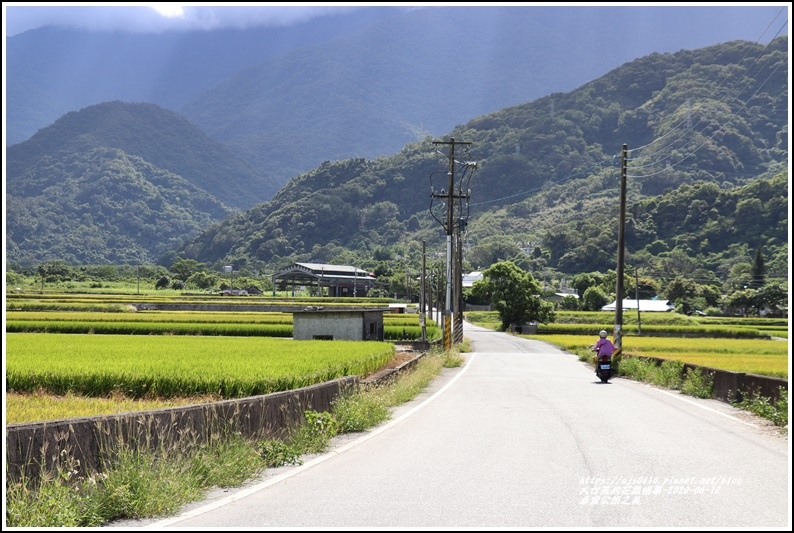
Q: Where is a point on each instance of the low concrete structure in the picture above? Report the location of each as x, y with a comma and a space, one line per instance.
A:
321, 323
37, 446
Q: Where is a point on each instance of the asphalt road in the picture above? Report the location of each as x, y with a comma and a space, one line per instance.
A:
525, 436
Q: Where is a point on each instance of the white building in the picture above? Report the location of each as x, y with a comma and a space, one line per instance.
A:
644, 305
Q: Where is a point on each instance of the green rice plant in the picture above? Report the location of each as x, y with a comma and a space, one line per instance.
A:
166, 367
658, 330
268, 324
199, 317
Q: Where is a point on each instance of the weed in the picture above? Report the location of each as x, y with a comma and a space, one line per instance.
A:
763, 406
279, 453
698, 383
669, 374
636, 368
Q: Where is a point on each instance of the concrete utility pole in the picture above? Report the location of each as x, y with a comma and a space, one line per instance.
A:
423, 298
452, 229
619, 281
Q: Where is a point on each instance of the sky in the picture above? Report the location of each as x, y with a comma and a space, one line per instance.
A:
156, 17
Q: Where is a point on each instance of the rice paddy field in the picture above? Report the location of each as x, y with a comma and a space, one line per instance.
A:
750, 345
83, 355
761, 357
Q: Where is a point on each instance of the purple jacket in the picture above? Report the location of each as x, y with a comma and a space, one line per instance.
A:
604, 346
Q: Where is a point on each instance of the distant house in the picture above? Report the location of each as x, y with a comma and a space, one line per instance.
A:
469, 279
658, 306
234, 292
558, 296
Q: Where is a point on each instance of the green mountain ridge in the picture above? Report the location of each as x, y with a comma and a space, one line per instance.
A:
161, 137
132, 182
105, 207
713, 120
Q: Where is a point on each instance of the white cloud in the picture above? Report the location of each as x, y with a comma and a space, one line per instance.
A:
159, 17
169, 11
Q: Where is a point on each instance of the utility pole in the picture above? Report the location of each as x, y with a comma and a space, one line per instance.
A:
423, 298
452, 229
637, 297
457, 335
619, 281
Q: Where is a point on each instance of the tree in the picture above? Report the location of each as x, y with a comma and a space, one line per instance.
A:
646, 288
55, 271
184, 268
569, 303
202, 280
594, 299
680, 289
514, 294
772, 296
582, 282
743, 301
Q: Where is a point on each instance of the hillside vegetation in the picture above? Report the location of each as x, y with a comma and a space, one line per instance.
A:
708, 187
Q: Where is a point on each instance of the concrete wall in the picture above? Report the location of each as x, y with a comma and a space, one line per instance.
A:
338, 326
734, 386
30, 447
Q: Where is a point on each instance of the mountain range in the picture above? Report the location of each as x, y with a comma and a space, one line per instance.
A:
362, 84
128, 182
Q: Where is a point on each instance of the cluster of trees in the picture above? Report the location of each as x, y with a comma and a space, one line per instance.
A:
518, 297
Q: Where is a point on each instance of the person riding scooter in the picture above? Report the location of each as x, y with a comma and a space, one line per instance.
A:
603, 348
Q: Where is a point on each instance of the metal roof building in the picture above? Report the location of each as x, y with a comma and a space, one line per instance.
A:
333, 280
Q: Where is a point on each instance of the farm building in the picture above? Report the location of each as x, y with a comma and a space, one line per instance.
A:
319, 323
329, 280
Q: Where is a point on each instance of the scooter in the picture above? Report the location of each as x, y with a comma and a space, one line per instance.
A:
603, 367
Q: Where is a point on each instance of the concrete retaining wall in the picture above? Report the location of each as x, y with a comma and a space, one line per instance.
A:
734, 386
32, 446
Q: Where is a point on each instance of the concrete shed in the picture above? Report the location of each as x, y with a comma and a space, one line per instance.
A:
320, 323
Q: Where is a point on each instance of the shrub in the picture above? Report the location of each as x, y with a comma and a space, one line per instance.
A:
698, 383
776, 411
669, 374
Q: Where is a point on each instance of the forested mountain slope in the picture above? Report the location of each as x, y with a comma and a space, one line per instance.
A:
549, 173
362, 83
427, 70
118, 183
